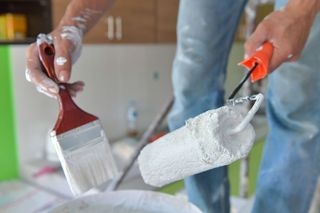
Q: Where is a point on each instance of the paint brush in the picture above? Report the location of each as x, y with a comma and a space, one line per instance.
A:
78, 136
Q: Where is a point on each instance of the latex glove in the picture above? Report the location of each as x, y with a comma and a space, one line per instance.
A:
67, 43
287, 30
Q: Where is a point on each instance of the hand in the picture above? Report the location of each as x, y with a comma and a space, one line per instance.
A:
67, 43
287, 30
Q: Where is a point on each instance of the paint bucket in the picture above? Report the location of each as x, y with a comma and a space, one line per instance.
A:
133, 201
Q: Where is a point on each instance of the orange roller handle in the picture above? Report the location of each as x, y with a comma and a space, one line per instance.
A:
262, 57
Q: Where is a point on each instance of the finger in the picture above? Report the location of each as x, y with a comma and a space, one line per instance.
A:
73, 93
62, 61
293, 58
73, 35
256, 40
78, 86
75, 88
279, 56
35, 74
47, 93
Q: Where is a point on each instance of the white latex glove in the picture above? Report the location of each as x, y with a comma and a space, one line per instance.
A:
67, 43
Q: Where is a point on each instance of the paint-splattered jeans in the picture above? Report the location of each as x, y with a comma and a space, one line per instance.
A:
291, 159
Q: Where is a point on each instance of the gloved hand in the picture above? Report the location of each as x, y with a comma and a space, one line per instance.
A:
67, 42
287, 30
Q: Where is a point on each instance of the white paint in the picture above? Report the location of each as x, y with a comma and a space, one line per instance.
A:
259, 48
90, 12
40, 78
41, 38
132, 201
43, 91
50, 37
61, 61
85, 157
204, 143
74, 34
62, 77
244, 123
79, 19
47, 84
53, 89
85, 16
80, 22
27, 74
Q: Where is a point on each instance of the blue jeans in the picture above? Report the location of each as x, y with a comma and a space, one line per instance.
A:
291, 160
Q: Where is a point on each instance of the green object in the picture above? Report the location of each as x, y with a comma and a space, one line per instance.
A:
172, 188
254, 165
8, 154
3, 27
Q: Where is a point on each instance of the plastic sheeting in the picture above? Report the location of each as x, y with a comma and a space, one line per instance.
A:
132, 201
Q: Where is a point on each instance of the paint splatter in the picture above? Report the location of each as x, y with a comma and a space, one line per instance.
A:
61, 61
27, 73
43, 91
74, 34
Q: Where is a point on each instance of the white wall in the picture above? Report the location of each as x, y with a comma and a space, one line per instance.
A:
114, 75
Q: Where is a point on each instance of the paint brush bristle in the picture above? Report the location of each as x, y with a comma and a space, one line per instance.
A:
85, 155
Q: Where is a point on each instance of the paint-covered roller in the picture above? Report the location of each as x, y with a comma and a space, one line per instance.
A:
214, 138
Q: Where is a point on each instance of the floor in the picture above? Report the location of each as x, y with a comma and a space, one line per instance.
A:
51, 190
17, 196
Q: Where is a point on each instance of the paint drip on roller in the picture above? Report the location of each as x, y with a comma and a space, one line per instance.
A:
214, 138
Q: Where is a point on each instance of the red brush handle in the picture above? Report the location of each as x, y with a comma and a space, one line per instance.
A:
70, 115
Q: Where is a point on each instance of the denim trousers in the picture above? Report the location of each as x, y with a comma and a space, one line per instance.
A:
291, 159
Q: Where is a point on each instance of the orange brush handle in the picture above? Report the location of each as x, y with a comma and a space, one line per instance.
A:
262, 58
70, 115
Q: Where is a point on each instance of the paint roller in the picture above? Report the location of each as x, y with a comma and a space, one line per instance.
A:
212, 139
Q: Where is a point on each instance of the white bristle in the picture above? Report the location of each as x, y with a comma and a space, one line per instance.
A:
85, 157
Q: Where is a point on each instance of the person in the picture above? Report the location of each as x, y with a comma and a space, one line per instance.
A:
205, 32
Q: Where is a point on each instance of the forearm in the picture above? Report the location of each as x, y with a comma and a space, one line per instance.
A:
83, 14
306, 8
